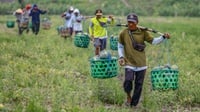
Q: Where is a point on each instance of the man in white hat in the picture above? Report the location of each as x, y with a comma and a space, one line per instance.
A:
68, 19
77, 22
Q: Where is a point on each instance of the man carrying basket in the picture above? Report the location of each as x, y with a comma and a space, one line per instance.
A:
131, 50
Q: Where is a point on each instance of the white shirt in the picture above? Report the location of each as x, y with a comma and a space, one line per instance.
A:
68, 19
77, 22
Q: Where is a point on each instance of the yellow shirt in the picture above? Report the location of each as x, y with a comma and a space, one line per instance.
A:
97, 27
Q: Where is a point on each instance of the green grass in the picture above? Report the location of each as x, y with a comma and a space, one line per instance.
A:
48, 73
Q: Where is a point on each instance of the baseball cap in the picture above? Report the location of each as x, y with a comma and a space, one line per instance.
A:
34, 5
19, 11
132, 17
99, 12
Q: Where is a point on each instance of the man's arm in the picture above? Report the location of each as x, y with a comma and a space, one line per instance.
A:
120, 50
42, 11
158, 40
91, 30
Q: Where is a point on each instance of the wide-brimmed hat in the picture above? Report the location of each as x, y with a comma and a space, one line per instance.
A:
19, 11
99, 12
132, 17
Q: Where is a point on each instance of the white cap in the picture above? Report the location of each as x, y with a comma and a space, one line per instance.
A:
71, 8
76, 11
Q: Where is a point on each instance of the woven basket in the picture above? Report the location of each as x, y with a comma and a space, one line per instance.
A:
103, 68
164, 78
46, 23
30, 25
81, 40
114, 43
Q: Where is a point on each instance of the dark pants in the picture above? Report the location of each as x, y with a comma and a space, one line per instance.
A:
70, 31
138, 76
35, 27
18, 25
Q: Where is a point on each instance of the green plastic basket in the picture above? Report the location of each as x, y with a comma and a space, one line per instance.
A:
81, 40
164, 78
30, 24
103, 68
10, 24
113, 43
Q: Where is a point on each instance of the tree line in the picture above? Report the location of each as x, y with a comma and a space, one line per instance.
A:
188, 8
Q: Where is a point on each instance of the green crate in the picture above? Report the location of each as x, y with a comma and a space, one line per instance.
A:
114, 43
166, 78
30, 24
103, 68
10, 24
81, 40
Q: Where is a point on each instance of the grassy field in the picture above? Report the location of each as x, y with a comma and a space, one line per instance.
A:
47, 73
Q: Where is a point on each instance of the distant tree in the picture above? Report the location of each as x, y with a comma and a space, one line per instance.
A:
21, 2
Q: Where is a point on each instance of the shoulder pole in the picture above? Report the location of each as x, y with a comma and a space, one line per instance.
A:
143, 28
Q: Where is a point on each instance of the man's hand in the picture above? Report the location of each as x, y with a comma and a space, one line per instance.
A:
92, 38
111, 17
121, 61
166, 35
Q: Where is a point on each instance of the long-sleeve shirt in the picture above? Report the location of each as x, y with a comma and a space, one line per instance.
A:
35, 14
134, 59
77, 23
68, 19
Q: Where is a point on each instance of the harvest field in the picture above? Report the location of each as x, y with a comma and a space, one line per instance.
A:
47, 73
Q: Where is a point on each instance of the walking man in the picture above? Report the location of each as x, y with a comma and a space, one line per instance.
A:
131, 50
35, 14
98, 31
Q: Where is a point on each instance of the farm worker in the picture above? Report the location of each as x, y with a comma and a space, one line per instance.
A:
18, 14
25, 16
68, 15
131, 50
77, 22
35, 14
97, 30
26, 11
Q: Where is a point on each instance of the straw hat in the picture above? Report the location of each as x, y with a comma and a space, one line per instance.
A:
19, 11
